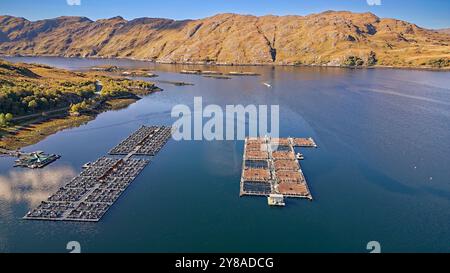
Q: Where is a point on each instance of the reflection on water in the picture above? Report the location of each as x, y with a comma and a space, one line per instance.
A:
33, 186
399, 94
222, 158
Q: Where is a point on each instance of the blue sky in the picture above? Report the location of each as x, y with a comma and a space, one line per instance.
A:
425, 13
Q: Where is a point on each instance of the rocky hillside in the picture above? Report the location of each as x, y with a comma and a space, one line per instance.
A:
329, 38
444, 30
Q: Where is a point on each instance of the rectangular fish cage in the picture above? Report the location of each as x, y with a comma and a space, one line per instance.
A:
257, 188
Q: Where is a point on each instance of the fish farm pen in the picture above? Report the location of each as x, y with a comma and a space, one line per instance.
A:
271, 168
89, 195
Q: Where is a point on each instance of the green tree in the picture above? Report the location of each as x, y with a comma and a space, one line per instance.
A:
2, 120
8, 117
372, 58
353, 61
44, 101
75, 108
32, 104
78, 107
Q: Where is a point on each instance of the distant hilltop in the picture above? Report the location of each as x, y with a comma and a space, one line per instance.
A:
334, 38
444, 30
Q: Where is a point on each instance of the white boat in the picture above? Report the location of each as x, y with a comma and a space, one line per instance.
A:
299, 156
267, 84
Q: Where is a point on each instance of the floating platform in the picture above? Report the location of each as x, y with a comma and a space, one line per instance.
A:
89, 195
32, 160
271, 168
35, 160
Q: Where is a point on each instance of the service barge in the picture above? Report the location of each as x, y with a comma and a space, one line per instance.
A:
36, 160
33, 160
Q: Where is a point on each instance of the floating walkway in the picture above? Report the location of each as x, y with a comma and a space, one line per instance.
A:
89, 195
270, 168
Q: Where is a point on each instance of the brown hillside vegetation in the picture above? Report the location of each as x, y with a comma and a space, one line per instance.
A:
444, 30
328, 38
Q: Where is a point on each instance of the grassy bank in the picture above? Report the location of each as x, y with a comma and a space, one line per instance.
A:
30, 133
33, 131
117, 104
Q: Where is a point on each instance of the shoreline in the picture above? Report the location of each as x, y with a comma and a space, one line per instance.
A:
199, 63
33, 131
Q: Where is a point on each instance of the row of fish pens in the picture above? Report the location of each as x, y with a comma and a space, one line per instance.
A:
88, 196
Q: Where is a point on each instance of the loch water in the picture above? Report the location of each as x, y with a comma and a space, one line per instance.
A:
381, 172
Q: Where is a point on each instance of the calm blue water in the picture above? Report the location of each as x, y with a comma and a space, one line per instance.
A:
381, 172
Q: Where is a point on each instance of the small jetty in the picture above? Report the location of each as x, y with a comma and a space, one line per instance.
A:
89, 195
271, 168
33, 160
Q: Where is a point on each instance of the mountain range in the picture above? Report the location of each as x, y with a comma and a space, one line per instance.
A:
331, 38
